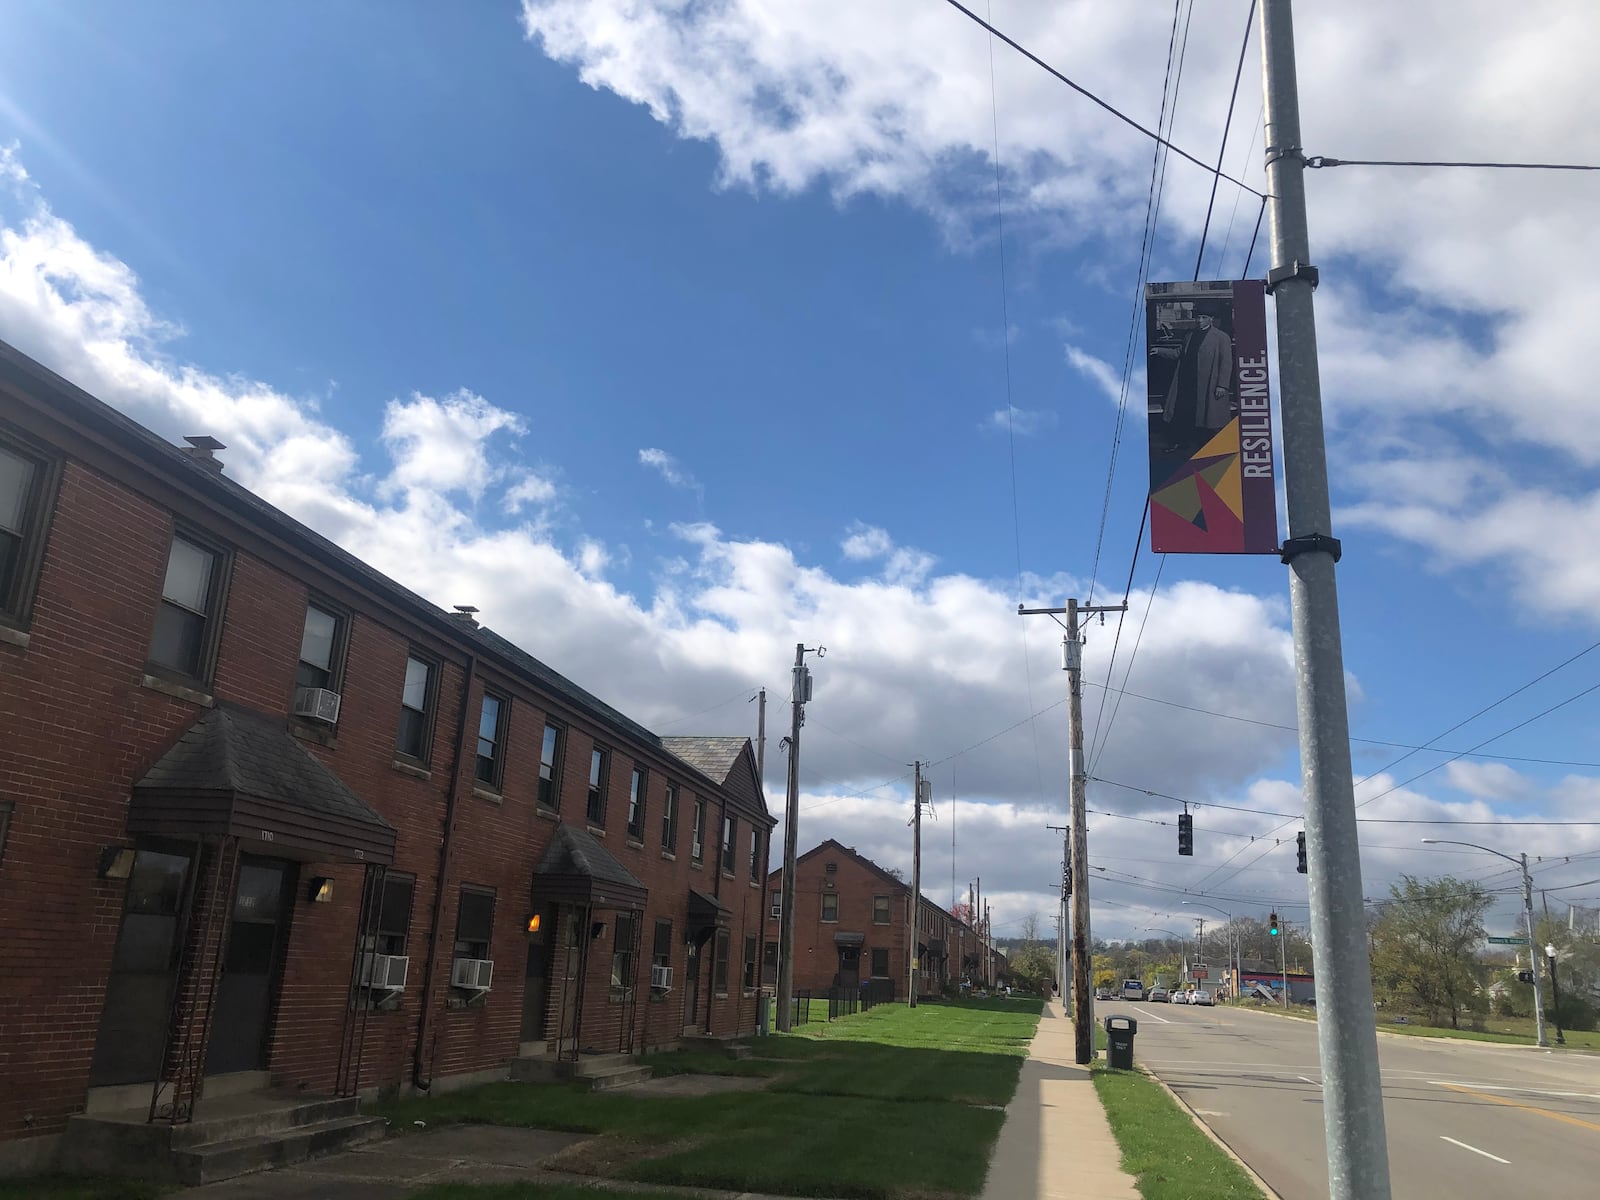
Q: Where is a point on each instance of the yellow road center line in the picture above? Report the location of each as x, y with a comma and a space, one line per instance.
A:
1543, 1112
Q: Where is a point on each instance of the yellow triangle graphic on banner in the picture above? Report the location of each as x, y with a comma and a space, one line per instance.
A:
1226, 442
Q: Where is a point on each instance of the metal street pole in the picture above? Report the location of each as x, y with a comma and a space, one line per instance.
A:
916, 881
1358, 1153
1555, 991
791, 819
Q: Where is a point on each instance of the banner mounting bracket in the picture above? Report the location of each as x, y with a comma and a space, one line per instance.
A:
1311, 543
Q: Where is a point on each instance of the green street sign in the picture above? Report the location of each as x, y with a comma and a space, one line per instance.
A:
1498, 941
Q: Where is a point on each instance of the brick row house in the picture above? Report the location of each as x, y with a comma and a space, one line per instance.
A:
267, 815
853, 928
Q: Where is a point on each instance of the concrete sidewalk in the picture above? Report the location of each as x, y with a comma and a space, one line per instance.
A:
1056, 1143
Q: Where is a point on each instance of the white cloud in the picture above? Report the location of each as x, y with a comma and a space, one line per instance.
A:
531, 490
1488, 780
442, 446
1019, 422
1102, 374
866, 541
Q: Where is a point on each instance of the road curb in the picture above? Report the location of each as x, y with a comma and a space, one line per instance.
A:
1210, 1133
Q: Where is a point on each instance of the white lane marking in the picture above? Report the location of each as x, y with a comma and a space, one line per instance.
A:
1509, 1087
1475, 1150
1150, 1016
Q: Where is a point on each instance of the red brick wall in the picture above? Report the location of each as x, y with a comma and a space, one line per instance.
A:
78, 727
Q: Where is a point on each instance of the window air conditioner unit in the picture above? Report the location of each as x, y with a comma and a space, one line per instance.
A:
472, 974
777, 910
384, 972
317, 704
661, 978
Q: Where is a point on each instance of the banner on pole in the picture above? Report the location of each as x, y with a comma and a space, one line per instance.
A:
1213, 475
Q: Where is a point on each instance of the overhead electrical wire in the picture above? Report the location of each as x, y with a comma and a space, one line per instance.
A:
1094, 99
1322, 160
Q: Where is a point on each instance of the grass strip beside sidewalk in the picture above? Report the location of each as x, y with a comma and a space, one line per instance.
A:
1168, 1157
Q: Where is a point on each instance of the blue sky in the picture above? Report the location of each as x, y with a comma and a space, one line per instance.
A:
673, 335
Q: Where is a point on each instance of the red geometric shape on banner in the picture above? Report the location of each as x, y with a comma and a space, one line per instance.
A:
1217, 532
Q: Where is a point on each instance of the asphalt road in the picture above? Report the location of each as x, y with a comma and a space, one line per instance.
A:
1464, 1119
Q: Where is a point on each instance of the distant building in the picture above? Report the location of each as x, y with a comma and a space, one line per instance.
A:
853, 926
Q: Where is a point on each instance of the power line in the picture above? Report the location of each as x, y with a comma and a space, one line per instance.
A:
1211, 712
1227, 125
1090, 96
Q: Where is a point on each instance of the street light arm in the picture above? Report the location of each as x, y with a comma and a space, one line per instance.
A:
1473, 845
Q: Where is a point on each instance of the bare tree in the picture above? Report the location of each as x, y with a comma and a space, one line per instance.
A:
1030, 929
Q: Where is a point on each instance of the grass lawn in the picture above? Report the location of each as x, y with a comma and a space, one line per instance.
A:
1161, 1148
880, 1105
1515, 1031
80, 1187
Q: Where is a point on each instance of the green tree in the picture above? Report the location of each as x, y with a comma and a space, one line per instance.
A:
1031, 967
1425, 945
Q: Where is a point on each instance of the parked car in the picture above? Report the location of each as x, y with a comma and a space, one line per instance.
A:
1201, 996
1179, 996
1158, 995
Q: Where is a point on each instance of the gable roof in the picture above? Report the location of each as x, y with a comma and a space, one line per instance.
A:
576, 866
839, 847
237, 771
714, 757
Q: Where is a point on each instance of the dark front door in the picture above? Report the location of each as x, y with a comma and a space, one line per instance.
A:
691, 984
249, 967
139, 991
536, 979
850, 967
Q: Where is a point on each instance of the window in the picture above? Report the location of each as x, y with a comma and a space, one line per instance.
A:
599, 774
185, 634
491, 739
555, 740
390, 919
755, 855
830, 906
321, 647
697, 832
416, 709
622, 951
749, 962
636, 798
669, 820
880, 964
730, 828
775, 903
661, 952
474, 923
22, 521
770, 958
880, 910
5, 825
719, 974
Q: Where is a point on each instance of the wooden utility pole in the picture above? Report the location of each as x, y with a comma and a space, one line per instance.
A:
916, 881
761, 741
1072, 662
791, 818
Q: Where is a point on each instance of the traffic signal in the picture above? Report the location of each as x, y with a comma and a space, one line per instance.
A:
1066, 882
1300, 844
1186, 834
1272, 925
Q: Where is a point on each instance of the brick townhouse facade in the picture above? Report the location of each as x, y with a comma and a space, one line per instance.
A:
263, 810
853, 926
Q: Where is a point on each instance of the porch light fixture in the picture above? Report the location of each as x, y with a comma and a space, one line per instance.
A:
321, 890
596, 928
116, 862
534, 921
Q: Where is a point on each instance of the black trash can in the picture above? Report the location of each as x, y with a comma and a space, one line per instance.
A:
1119, 1042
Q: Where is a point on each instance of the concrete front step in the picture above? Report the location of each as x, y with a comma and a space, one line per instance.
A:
211, 1161
610, 1079
728, 1047
229, 1135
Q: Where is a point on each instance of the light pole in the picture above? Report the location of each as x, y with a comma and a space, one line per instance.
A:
1527, 914
1233, 982
1555, 990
